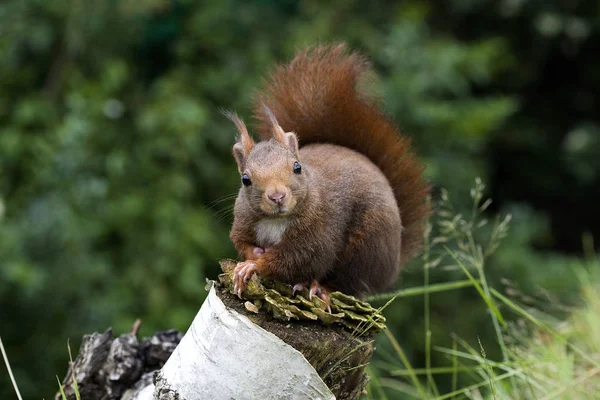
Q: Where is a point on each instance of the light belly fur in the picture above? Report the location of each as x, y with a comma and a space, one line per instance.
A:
269, 231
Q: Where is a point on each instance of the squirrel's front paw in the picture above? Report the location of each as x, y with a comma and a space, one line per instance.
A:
241, 275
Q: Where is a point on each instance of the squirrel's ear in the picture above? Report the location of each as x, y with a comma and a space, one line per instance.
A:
291, 142
286, 139
244, 145
240, 156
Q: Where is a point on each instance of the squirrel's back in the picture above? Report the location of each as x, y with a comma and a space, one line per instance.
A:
318, 97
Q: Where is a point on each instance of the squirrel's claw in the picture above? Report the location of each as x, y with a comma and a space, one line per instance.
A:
241, 275
315, 289
320, 292
298, 287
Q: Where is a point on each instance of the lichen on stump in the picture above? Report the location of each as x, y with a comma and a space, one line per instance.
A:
279, 300
337, 344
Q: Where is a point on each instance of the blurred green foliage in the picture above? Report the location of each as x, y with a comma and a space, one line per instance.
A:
115, 169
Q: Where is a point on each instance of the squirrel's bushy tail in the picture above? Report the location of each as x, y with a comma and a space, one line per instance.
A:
317, 96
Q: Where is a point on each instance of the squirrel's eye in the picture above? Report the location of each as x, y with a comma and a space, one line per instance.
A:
297, 167
246, 180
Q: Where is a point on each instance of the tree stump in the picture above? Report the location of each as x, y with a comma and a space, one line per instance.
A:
270, 344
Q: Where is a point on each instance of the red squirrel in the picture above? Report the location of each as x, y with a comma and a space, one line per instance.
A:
332, 198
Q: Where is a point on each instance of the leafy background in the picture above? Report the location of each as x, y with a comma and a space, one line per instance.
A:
115, 163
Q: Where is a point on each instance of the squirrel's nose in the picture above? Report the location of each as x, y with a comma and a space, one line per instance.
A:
276, 197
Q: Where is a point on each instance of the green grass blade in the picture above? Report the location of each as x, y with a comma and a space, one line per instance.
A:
475, 283
419, 291
60, 387
75, 387
406, 363
487, 368
10, 373
454, 367
346, 357
401, 387
431, 385
436, 370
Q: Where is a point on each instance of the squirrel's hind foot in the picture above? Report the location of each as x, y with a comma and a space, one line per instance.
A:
314, 289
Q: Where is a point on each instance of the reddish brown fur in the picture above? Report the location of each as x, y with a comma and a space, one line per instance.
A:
341, 221
316, 96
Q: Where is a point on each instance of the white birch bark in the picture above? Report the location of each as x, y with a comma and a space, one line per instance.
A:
224, 355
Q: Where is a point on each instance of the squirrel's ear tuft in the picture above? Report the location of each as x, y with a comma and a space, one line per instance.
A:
244, 145
278, 132
286, 139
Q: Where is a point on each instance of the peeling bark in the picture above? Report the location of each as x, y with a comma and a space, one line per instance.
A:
107, 367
